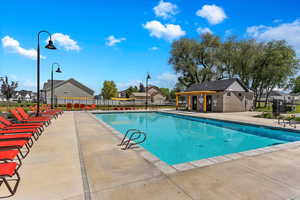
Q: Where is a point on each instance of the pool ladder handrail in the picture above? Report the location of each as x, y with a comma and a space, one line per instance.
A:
136, 134
124, 138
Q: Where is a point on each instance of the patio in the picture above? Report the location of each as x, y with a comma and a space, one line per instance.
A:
77, 158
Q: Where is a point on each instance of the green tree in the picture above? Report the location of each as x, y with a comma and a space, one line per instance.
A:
8, 89
142, 88
194, 60
130, 90
295, 84
109, 90
165, 92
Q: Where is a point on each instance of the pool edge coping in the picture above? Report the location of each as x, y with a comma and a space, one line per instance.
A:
172, 169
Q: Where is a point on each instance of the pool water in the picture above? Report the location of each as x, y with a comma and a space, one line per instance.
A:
177, 139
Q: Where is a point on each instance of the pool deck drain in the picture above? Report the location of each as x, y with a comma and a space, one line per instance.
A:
115, 174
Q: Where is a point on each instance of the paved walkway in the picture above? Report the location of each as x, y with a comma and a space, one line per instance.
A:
244, 117
93, 167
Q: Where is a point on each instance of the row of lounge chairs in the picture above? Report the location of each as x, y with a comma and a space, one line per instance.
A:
125, 108
77, 106
16, 139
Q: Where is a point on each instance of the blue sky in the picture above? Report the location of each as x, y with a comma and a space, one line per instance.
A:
122, 40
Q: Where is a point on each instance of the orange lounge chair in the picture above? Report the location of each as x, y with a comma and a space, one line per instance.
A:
7, 171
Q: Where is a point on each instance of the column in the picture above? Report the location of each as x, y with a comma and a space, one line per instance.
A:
204, 103
176, 102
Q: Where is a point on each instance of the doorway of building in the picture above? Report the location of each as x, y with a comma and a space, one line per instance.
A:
208, 103
194, 103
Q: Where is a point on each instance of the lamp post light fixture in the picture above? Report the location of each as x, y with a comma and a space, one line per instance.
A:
147, 78
57, 71
48, 46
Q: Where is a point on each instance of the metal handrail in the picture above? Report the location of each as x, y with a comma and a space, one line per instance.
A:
127, 132
131, 138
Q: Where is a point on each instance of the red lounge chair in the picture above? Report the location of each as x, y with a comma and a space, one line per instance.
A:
26, 116
76, 106
69, 106
93, 106
11, 155
11, 125
7, 171
88, 107
19, 118
82, 106
34, 131
16, 144
15, 137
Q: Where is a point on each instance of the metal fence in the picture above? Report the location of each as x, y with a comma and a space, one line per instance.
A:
104, 102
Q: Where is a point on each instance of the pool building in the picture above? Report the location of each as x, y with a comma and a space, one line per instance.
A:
228, 95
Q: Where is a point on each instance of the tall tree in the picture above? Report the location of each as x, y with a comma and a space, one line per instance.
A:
165, 92
195, 60
142, 88
109, 90
226, 55
8, 89
130, 90
295, 84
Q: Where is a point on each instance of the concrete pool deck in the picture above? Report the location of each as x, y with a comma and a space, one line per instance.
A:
77, 158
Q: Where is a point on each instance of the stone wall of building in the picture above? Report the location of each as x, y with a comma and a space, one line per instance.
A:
237, 101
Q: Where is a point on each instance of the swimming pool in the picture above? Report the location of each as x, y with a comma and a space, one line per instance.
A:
177, 139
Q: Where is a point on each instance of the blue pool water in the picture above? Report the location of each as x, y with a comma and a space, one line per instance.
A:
177, 139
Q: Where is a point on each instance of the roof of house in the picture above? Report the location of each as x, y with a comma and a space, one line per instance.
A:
218, 85
57, 83
276, 93
47, 85
139, 94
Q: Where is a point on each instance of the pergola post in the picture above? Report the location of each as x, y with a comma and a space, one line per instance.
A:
176, 102
204, 103
189, 102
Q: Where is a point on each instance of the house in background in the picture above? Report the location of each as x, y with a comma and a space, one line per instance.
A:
68, 91
156, 95
229, 95
24, 96
279, 95
140, 97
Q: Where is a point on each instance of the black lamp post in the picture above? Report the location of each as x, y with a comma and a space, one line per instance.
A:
147, 78
48, 46
57, 71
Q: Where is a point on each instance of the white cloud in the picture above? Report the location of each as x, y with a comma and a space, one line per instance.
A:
125, 85
168, 31
228, 32
13, 45
214, 14
203, 30
167, 79
112, 40
165, 10
65, 41
287, 31
277, 21
154, 48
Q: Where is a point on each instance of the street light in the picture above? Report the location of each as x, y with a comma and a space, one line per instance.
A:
48, 46
147, 78
57, 71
